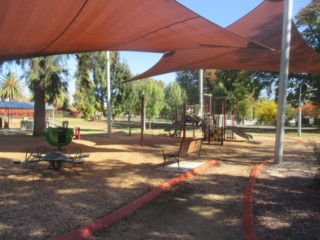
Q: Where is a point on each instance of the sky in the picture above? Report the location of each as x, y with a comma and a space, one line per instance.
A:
220, 12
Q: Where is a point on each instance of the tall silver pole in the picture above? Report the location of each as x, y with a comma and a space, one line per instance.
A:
284, 72
299, 113
201, 91
108, 95
299, 110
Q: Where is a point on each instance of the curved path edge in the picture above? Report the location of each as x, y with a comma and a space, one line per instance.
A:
87, 230
247, 216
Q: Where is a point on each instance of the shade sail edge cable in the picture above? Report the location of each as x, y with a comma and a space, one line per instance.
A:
159, 29
66, 28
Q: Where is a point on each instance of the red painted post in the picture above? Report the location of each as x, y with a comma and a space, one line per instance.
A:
184, 118
142, 122
210, 119
233, 137
223, 121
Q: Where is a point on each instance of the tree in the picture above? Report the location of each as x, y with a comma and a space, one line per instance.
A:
86, 87
244, 108
239, 83
308, 19
189, 81
120, 92
154, 97
45, 80
174, 96
266, 111
310, 110
91, 83
11, 87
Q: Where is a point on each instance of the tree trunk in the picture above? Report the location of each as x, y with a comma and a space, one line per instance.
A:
39, 109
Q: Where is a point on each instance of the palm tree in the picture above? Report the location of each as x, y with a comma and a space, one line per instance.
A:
10, 87
47, 85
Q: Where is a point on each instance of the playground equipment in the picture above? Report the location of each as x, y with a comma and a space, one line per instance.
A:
175, 129
59, 137
220, 126
238, 132
56, 137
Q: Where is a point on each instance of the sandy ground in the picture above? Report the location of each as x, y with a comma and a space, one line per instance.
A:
38, 202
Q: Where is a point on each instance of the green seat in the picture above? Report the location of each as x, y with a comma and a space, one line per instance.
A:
59, 136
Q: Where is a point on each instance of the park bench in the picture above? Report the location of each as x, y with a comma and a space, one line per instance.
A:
187, 147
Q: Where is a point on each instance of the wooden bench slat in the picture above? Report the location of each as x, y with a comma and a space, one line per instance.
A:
187, 146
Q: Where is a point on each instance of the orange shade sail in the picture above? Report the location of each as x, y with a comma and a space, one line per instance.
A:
31, 28
262, 25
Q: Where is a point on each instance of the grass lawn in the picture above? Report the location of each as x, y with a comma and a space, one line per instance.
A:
100, 126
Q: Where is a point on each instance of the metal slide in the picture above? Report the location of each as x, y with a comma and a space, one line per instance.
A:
240, 133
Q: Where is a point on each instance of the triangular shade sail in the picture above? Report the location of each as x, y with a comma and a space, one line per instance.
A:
32, 28
263, 25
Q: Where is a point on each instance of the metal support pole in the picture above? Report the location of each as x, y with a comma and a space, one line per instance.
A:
284, 72
299, 110
108, 96
201, 91
299, 113
142, 122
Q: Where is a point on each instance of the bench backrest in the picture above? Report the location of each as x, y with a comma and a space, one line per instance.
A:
195, 145
190, 146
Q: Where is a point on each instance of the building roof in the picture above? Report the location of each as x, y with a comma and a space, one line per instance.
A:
21, 105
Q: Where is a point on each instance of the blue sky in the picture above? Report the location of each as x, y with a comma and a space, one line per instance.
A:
220, 12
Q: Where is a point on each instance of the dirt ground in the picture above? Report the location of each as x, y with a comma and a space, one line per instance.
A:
38, 202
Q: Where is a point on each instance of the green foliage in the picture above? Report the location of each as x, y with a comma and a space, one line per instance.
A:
174, 96
47, 74
45, 80
189, 81
121, 92
239, 84
154, 97
266, 111
10, 87
309, 19
291, 112
244, 108
90, 83
132, 101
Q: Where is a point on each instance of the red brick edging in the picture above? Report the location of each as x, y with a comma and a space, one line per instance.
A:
247, 216
87, 230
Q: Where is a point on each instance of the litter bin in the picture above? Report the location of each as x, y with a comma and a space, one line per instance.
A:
23, 125
65, 124
29, 125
